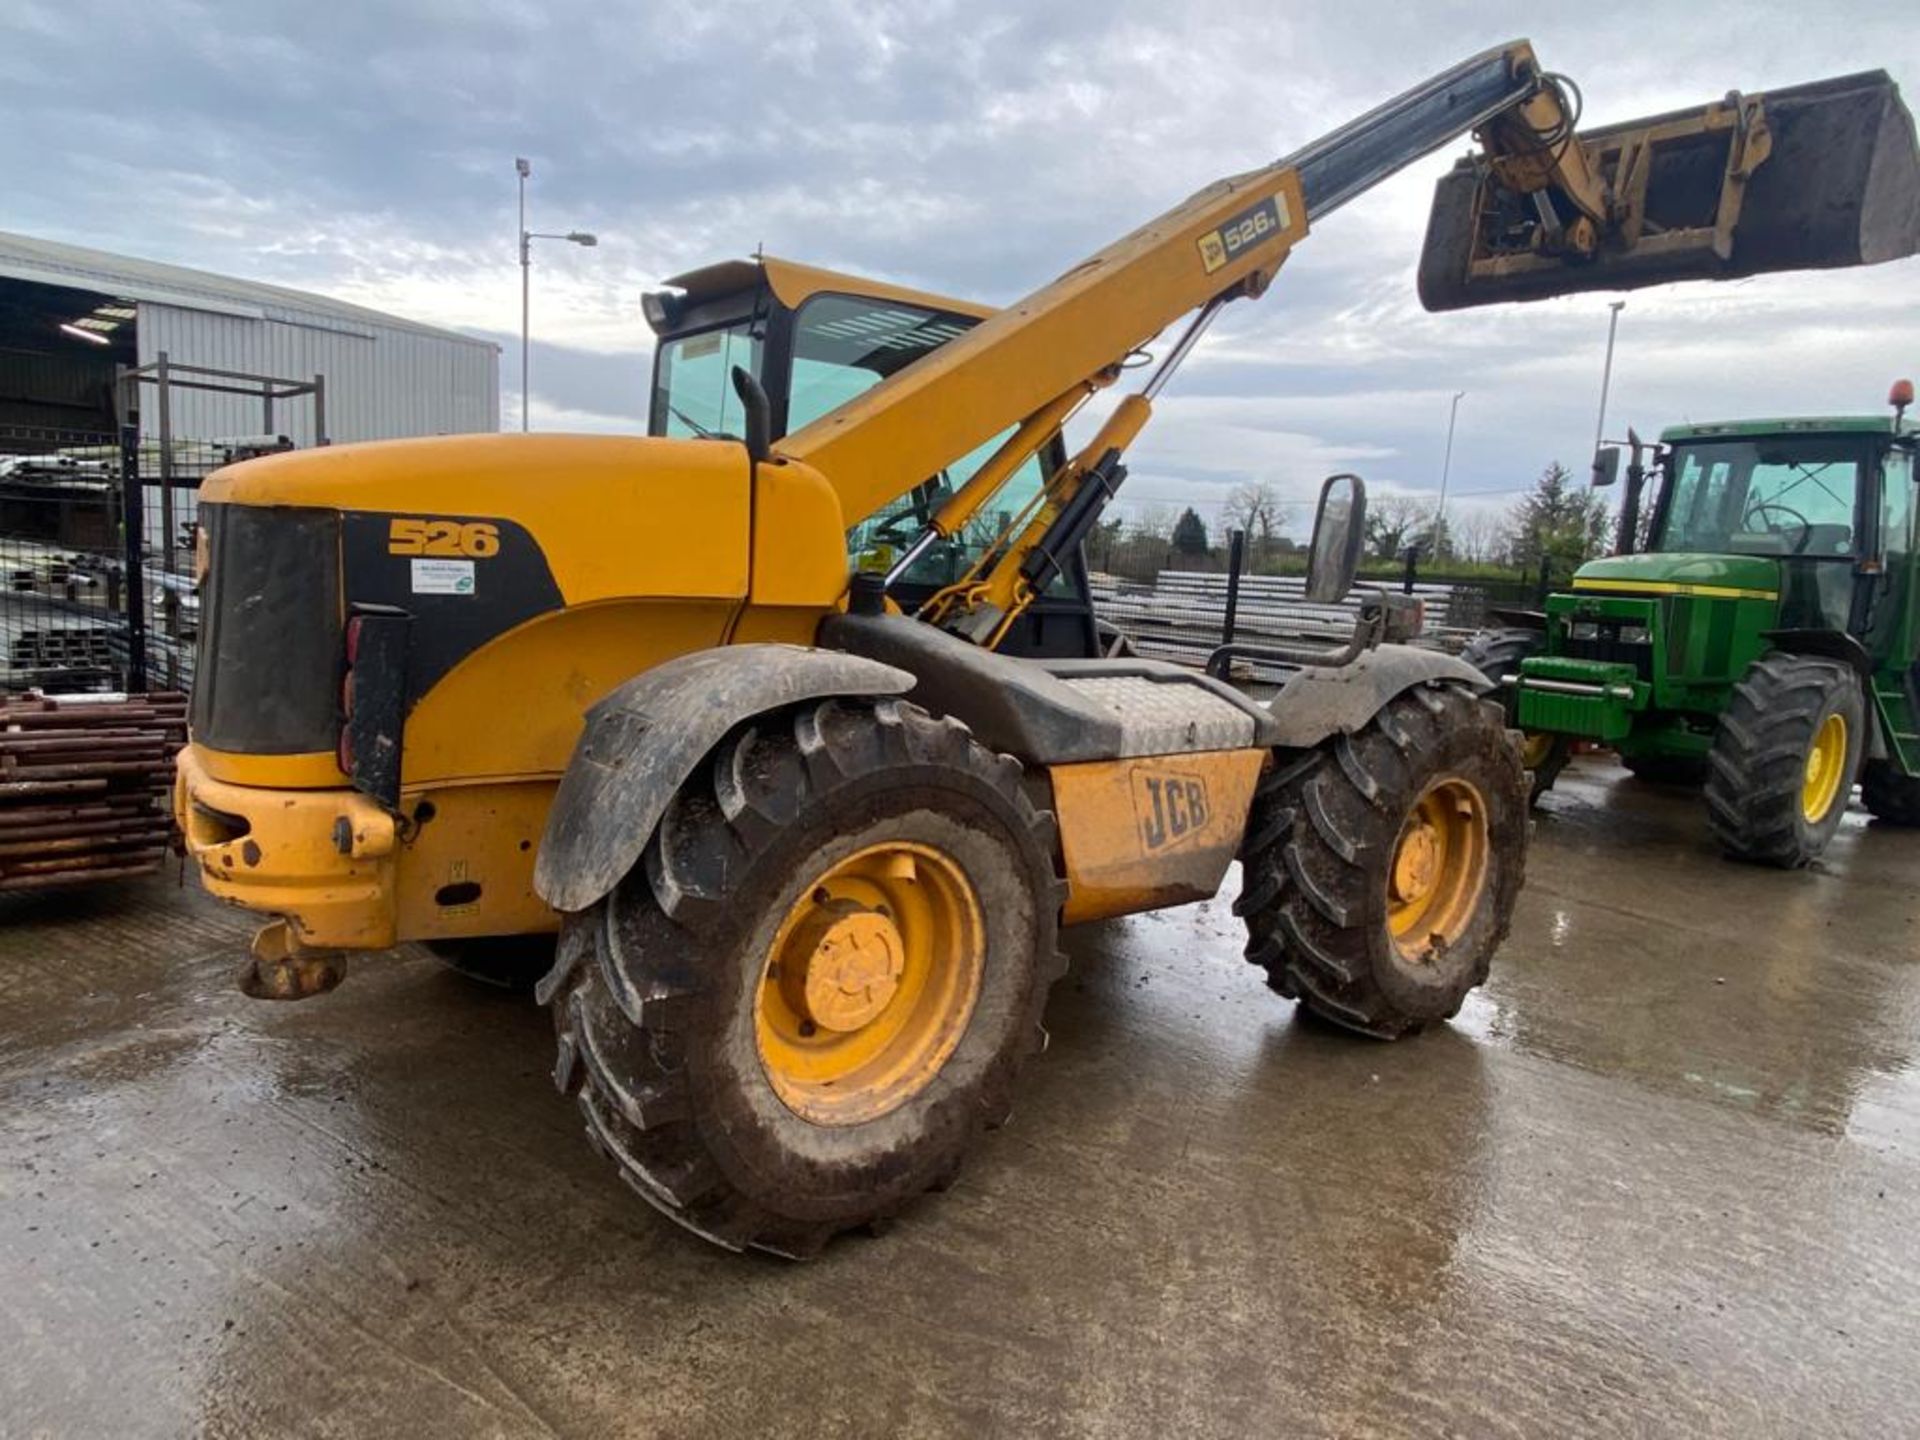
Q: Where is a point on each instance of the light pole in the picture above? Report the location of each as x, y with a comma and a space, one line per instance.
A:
1446, 466
1606, 373
527, 237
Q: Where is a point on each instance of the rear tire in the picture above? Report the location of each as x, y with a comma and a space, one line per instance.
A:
1324, 850
1790, 717
1893, 798
1497, 654
663, 992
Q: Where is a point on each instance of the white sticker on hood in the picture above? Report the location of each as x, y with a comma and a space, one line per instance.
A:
443, 577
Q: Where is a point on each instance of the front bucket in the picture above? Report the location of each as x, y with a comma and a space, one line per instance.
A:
1839, 186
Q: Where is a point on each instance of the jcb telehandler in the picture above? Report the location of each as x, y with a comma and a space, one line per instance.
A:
1765, 642
809, 852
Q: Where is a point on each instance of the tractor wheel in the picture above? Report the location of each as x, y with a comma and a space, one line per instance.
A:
1893, 797
816, 987
1667, 769
1497, 654
506, 962
1381, 867
1784, 760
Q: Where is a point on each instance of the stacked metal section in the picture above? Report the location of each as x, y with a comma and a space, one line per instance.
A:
85, 786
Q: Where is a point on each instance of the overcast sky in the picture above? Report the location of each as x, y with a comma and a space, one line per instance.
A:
366, 151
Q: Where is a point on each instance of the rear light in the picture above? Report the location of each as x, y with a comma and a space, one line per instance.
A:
373, 701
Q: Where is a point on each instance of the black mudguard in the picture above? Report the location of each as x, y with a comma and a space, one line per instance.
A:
1323, 701
1830, 644
645, 738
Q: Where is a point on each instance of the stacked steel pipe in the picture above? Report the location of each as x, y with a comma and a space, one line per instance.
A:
85, 786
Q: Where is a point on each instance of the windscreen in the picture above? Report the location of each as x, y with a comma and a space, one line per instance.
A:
693, 385
1764, 496
845, 345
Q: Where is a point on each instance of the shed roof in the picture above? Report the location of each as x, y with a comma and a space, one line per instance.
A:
50, 262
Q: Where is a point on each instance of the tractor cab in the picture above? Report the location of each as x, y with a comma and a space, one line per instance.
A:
815, 339
1823, 506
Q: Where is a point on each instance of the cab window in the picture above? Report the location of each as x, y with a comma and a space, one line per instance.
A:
1772, 496
1896, 515
693, 383
844, 345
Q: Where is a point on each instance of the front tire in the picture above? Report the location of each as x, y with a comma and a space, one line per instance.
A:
1497, 654
1382, 867
1784, 759
798, 1010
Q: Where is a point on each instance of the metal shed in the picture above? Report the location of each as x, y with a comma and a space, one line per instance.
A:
385, 377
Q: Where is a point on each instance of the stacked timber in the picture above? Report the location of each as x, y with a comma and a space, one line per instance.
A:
85, 786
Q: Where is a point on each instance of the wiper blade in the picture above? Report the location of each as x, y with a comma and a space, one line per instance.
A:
692, 424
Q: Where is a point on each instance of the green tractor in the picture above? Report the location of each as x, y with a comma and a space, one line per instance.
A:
1763, 636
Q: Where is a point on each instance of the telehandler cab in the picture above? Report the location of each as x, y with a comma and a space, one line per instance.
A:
808, 837
1765, 642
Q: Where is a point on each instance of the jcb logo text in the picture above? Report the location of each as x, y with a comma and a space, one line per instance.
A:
1170, 808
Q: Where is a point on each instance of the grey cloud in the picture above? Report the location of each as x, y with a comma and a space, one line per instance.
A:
976, 148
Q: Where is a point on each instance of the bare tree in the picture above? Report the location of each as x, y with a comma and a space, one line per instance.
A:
1155, 522
1478, 535
1395, 522
1255, 508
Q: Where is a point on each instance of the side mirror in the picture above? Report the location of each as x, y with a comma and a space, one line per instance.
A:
1339, 530
1606, 466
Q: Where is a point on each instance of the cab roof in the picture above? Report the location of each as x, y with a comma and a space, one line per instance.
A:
793, 284
1882, 424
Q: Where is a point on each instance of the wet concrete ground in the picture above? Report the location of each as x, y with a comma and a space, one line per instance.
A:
1662, 1179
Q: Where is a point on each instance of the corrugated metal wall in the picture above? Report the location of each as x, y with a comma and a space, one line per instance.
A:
381, 383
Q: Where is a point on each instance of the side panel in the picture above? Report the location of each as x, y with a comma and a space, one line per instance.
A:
1146, 833
468, 868
515, 707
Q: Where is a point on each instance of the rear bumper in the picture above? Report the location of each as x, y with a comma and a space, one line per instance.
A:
323, 859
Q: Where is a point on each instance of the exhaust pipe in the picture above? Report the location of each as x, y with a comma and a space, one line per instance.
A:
1810, 177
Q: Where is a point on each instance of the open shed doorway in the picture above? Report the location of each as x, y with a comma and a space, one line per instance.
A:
60, 350
62, 597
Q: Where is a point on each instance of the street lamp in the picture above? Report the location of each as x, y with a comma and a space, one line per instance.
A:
527, 237
1446, 466
1606, 376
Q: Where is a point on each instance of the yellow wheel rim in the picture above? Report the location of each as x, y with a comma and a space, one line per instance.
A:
1826, 769
1534, 751
1439, 869
870, 983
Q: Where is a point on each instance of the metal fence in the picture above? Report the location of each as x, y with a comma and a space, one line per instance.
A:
62, 544
99, 531
1184, 615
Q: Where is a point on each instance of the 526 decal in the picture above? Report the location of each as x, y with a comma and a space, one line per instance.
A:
1249, 227
446, 539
